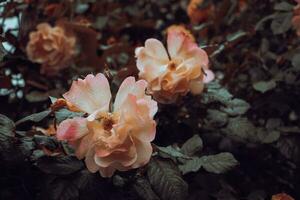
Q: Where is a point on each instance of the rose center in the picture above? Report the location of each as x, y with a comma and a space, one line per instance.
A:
172, 66
108, 120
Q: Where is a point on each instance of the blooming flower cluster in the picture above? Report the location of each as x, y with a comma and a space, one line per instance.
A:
118, 136
110, 139
51, 47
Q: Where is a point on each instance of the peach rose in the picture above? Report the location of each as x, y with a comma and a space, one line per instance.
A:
50, 47
110, 139
175, 72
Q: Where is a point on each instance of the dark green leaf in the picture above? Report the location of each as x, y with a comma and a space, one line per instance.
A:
192, 145
236, 107
60, 165
171, 153
216, 118
267, 136
192, 165
143, 189
35, 117
166, 180
264, 86
219, 163
7, 126
61, 189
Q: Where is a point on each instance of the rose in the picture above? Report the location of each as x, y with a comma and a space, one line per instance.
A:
110, 139
173, 73
51, 47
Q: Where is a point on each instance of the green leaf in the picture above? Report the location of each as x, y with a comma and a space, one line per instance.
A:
264, 86
267, 136
241, 129
192, 145
171, 153
216, 118
35, 117
36, 96
166, 180
192, 165
59, 165
219, 163
296, 61
215, 93
143, 189
282, 22
236, 107
7, 126
63, 114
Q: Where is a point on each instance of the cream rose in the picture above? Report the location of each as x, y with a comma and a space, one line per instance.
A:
175, 72
110, 139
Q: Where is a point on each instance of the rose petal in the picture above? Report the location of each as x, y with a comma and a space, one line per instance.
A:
90, 162
107, 171
144, 152
72, 129
152, 60
90, 94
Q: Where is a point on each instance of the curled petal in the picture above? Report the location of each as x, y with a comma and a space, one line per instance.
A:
72, 129
90, 162
90, 94
196, 87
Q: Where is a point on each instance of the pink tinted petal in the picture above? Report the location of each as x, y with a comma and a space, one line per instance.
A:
106, 172
144, 152
83, 146
208, 76
90, 162
175, 41
72, 129
90, 94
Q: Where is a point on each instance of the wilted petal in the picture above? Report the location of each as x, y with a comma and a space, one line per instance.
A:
90, 94
72, 129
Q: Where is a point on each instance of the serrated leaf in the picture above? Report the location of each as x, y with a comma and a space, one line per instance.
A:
166, 180
219, 163
215, 93
192, 165
264, 86
59, 165
7, 126
170, 152
236, 107
143, 188
192, 145
36, 117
